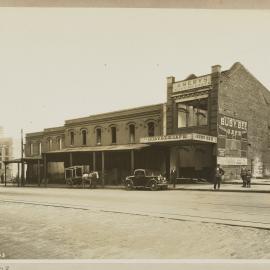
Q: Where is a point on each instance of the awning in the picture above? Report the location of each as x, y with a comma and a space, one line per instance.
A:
24, 159
196, 137
100, 148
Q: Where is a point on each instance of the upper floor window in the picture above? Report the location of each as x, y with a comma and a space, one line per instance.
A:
71, 137
59, 143
31, 149
151, 129
269, 136
182, 116
132, 133
50, 143
192, 113
39, 148
98, 135
113, 133
84, 137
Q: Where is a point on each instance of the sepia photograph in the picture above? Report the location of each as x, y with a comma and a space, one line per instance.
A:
134, 135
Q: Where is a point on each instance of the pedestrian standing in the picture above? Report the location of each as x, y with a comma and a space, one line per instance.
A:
219, 172
173, 177
244, 176
248, 178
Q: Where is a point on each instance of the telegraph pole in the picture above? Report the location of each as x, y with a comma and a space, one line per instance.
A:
22, 152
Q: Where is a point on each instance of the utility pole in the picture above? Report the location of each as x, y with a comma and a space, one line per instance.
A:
22, 153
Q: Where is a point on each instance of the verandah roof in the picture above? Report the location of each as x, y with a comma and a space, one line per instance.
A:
101, 148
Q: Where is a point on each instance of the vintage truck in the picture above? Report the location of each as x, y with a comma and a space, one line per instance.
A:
143, 178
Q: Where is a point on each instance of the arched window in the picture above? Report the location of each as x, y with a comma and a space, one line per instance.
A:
31, 149
59, 143
50, 144
113, 133
131, 133
39, 148
98, 135
151, 129
84, 137
71, 137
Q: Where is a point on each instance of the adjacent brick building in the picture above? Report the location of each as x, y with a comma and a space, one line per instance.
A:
222, 117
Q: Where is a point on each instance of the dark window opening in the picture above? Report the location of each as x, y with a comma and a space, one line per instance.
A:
131, 133
113, 130
151, 129
193, 113
71, 137
98, 135
84, 137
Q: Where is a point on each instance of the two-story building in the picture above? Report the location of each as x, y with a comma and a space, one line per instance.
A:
221, 117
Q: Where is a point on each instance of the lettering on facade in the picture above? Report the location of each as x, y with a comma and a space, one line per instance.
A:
180, 137
232, 128
191, 84
232, 161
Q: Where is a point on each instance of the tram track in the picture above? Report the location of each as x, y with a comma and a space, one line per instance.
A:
162, 215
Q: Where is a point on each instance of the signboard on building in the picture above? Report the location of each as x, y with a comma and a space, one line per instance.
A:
232, 161
232, 128
191, 84
179, 137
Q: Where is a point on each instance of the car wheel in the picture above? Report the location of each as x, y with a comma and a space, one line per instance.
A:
153, 185
129, 185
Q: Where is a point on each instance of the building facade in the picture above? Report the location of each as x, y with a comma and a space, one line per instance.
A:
221, 117
6, 149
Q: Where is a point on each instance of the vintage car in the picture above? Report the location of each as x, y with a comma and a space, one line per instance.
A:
75, 175
145, 179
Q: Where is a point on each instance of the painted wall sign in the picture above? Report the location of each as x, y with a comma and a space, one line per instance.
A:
179, 137
231, 161
191, 84
232, 128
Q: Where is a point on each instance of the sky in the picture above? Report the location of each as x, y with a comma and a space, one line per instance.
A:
64, 63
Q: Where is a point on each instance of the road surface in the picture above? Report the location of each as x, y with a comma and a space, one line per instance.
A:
52, 223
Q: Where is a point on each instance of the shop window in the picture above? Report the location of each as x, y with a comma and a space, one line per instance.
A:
131, 133
71, 137
192, 113
151, 129
98, 135
84, 137
113, 133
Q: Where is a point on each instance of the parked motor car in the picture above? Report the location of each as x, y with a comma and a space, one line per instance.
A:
143, 178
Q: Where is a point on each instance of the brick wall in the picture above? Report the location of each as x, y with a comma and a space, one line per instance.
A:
242, 96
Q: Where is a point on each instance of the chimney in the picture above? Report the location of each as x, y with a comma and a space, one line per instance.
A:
170, 80
216, 69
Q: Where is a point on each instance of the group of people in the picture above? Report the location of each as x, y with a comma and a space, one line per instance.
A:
246, 177
219, 172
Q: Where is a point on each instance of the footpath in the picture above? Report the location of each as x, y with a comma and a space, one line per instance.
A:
257, 185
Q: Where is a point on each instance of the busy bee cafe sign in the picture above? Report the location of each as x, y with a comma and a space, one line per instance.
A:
232, 128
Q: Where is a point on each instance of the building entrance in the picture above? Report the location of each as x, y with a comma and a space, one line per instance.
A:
193, 161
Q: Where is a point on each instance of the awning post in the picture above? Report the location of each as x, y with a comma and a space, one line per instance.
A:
94, 161
70, 159
5, 175
18, 179
45, 170
38, 172
132, 161
102, 167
